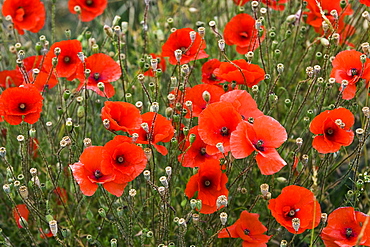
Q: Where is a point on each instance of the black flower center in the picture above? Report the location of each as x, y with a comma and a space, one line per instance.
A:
202, 151
89, 2
244, 35
120, 159
22, 106
67, 59
96, 76
224, 131
246, 232
354, 71
259, 146
207, 183
291, 213
349, 233
98, 174
329, 131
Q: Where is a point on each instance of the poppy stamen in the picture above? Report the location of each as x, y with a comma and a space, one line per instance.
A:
224, 131
202, 151
22, 106
246, 232
207, 183
291, 213
98, 174
67, 59
353, 72
259, 146
89, 2
96, 76
349, 232
329, 131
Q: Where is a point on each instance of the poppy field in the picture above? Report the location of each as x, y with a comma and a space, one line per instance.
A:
185, 123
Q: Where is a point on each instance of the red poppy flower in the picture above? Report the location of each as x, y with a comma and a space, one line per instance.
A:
88, 173
241, 31
249, 229
10, 78
210, 183
21, 210
123, 158
68, 61
216, 123
121, 115
195, 154
296, 202
161, 65
21, 104
249, 75
344, 227
243, 103
26, 14
314, 17
208, 69
42, 80
89, 8
264, 135
157, 129
103, 69
366, 2
347, 66
332, 128
180, 40
195, 95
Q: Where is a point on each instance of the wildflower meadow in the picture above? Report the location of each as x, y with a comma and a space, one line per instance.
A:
184, 123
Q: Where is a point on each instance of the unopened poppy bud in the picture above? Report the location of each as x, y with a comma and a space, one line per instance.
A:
309, 71
154, 107
363, 58
185, 69
108, 31
283, 243
360, 133
102, 212
146, 174
223, 218
324, 217
113, 242
33, 172
221, 44
87, 142
249, 56
193, 203
182, 222
106, 123
80, 111
324, 42
6, 188
206, 96
178, 55
296, 223
212, 24
264, 189
201, 31
53, 227
195, 218
316, 69
220, 147
2, 152
20, 138
192, 138
192, 35
280, 68
221, 201
23, 191
148, 153
164, 181
281, 179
